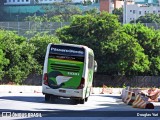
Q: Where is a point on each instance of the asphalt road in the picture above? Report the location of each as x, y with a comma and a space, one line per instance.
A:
99, 106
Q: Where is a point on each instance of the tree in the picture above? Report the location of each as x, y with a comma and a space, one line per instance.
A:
93, 11
119, 13
124, 55
3, 62
40, 41
19, 54
149, 39
148, 18
92, 31
63, 9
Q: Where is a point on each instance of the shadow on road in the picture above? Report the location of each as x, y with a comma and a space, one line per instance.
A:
39, 99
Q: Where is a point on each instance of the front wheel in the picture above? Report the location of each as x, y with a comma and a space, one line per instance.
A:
82, 101
86, 99
47, 97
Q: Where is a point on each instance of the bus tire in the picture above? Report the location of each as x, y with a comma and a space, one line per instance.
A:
82, 101
47, 97
76, 101
86, 99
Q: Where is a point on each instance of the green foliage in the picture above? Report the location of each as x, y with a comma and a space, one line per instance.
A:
20, 57
148, 18
149, 39
63, 10
3, 62
40, 41
92, 31
19, 54
119, 50
125, 50
119, 13
87, 2
129, 58
93, 11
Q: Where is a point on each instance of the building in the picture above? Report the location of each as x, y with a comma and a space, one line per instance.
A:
134, 11
17, 2
110, 5
32, 2
152, 2
2, 2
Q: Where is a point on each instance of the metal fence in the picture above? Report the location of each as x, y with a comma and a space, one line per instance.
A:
24, 28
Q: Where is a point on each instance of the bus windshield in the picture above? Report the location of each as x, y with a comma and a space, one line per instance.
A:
66, 53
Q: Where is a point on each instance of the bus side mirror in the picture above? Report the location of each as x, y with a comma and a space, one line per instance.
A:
95, 66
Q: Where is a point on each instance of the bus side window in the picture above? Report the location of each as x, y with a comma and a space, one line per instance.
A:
91, 62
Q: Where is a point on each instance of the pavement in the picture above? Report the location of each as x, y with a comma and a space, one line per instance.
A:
38, 89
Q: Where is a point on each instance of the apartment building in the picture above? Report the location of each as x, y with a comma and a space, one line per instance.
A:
2, 2
134, 8
134, 11
32, 2
17, 2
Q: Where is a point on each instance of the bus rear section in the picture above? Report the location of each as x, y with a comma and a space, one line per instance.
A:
63, 73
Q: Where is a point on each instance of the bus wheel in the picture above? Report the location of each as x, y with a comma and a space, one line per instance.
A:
86, 99
76, 101
47, 97
82, 101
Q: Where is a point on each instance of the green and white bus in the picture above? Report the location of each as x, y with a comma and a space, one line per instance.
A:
68, 72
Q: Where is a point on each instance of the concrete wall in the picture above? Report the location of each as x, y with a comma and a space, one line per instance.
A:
109, 81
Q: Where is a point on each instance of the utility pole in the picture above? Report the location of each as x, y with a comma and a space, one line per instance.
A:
125, 12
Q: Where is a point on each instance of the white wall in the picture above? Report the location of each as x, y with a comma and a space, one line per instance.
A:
17, 2
48, 1
135, 11
22, 2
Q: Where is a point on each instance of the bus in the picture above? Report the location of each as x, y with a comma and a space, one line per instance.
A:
68, 72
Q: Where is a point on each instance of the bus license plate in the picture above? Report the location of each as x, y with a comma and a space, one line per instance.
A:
62, 91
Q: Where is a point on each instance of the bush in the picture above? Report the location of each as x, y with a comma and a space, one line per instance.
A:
18, 56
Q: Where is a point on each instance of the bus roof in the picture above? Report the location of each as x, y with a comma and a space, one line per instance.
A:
74, 45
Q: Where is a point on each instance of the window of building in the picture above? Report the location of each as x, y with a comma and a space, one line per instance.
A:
18, 0
145, 12
9, 0
140, 12
27, 0
13, 0
22, 0
154, 12
134, 11
130, 10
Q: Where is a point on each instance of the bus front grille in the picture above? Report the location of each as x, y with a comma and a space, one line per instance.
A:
69, 68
